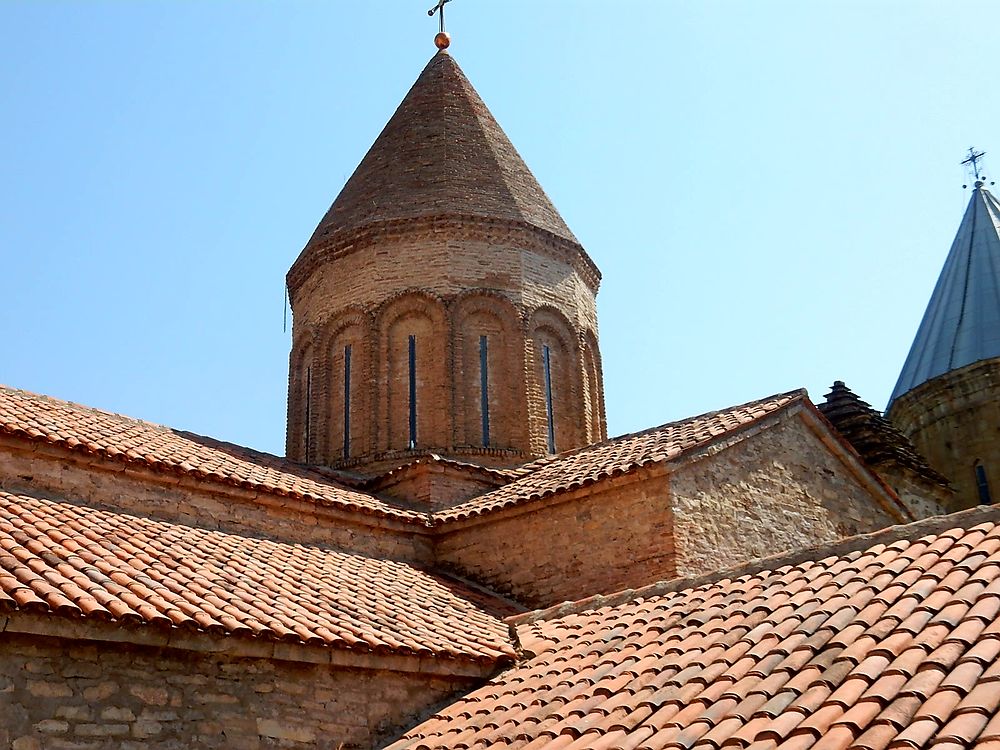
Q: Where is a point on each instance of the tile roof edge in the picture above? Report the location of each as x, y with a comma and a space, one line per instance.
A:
448, 515
401, 514
911, 531
432, 459
54, 626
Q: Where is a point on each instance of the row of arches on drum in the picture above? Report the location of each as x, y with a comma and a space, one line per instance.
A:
421, 373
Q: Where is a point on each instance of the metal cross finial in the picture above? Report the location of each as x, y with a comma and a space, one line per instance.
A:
972, 160
439, 8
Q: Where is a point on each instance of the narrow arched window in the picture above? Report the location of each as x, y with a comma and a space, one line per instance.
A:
412, 362
982, 484
549, 415
484, 388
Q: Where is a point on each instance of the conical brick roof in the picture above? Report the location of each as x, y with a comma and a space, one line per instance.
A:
962, 321
441, 154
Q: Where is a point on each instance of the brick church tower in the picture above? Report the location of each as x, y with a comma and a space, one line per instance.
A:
947, 399
442, 305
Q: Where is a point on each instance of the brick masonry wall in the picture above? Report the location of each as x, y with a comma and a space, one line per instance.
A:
109, 485
781, 489
89, 696
446, 285
954, 420
612, 535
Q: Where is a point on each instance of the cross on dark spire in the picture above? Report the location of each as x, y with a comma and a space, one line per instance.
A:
972, 160
439, 9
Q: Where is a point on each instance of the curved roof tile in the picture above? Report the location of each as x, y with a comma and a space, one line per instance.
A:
69, 560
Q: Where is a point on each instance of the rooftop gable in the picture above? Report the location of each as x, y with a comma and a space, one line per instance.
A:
620, 455
886, 640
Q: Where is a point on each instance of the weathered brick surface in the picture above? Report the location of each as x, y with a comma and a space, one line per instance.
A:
954, 420
447, 285
779, 488
106, 484
443, 234
80, 696
612, 535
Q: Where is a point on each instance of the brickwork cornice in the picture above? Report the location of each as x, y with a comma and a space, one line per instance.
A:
465, 227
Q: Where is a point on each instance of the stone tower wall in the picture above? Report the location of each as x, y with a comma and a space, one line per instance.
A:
447, 284
954, 420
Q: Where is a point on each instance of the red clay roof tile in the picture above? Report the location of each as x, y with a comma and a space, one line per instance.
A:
900, 681
73, 561
80, 428
619, 455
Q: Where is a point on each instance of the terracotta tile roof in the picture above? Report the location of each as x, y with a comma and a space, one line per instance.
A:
891, 641
619, 455
80, 428
73, 561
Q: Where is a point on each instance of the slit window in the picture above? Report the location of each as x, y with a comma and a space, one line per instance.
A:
547, 369
308, 414
347, 401
983, 485
413, 391
484, 388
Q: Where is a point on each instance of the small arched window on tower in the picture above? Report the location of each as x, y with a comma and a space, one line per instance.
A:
982, 484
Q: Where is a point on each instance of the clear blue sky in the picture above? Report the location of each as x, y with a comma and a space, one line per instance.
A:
770, 188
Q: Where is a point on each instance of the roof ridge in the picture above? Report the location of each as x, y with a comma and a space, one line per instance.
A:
482, 503
794, 394
857, 543
305, 468
117, 441
83, 407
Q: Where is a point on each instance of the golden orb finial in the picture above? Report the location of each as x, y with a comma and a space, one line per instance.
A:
442, 40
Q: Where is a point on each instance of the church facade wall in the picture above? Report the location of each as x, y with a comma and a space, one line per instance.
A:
954, 420
612, 535
777, 488
134, 490
79, 695
781, 489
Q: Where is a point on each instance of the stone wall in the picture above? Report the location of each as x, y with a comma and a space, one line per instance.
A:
954, 420
609, 536
778, 487
75, 695
103, 483
782, 489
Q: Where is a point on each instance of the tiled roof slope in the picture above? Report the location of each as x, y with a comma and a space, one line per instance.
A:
113, 436
962, 322
73, 561
441, 153
895, 645
620, 455
873, 436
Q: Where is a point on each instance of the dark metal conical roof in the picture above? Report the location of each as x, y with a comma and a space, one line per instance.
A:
962, 322
441, 154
